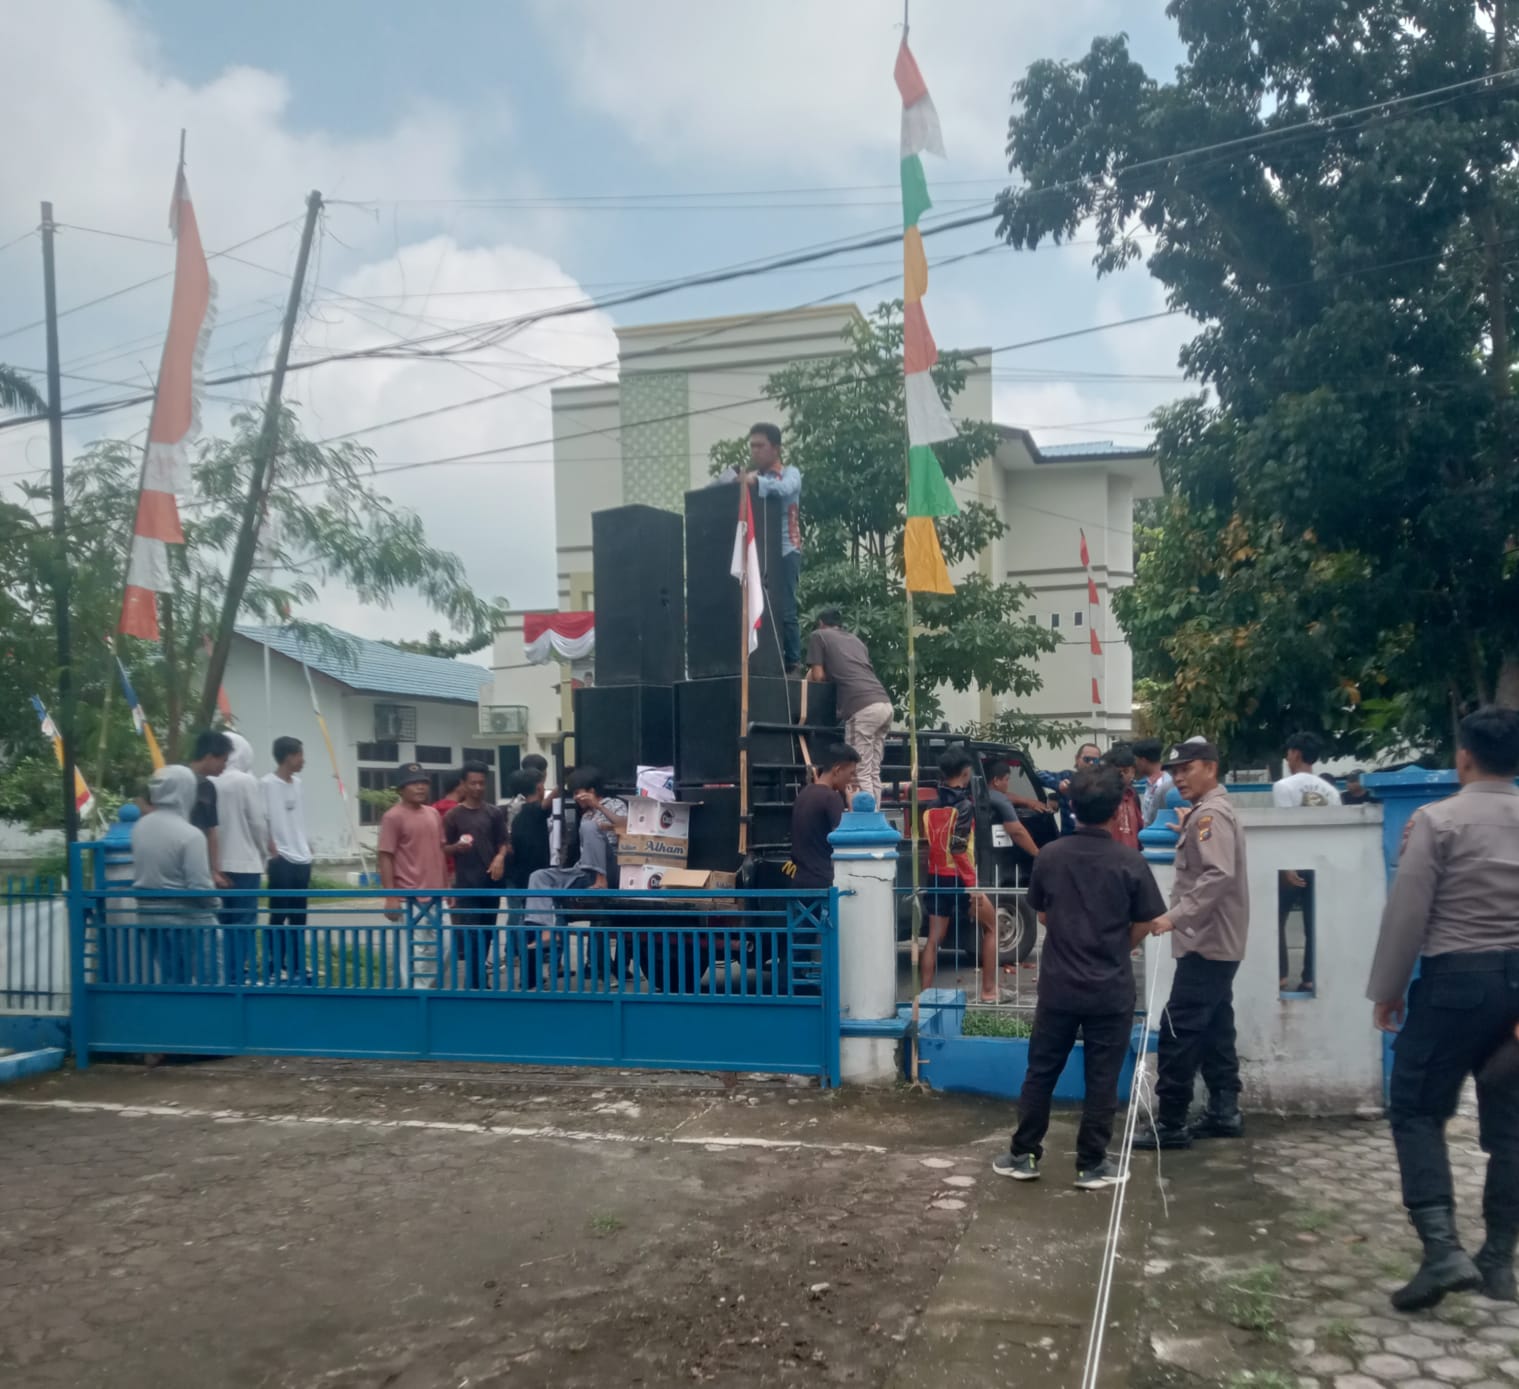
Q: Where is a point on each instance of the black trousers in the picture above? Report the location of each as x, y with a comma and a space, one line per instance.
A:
1289, 899
474, 936
1460, 1011
1197, 1033
1105, 1043
285, 953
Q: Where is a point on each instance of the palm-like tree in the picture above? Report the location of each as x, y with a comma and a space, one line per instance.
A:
17, 393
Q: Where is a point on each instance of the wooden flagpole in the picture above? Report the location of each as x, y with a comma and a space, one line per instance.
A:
743, 676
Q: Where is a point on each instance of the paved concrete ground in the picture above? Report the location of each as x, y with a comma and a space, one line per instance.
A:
247, 1223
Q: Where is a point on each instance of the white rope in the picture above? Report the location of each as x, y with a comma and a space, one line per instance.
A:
1115, 1215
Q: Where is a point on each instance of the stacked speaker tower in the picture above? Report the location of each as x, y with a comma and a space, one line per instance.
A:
668, 672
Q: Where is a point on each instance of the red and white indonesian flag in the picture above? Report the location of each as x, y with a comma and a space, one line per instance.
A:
558, 636
746, 568
175, 423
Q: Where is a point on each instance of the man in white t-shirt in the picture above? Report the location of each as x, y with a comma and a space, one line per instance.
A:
1301, 786
289, 862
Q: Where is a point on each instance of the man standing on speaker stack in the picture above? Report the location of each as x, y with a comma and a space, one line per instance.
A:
863, 704
775, 479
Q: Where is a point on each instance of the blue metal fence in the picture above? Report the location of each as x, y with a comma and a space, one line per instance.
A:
705, 980
33, 947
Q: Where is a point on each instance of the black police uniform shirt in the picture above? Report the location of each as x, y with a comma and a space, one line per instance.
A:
814, 817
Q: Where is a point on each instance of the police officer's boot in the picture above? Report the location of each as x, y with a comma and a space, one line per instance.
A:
1495, 1262
1447, 1268
1163, 1135
1221, 1119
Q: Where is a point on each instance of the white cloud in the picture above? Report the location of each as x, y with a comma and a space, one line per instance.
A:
804, 85
92, 120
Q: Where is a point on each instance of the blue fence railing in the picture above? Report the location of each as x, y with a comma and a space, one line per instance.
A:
34, 947
697, 980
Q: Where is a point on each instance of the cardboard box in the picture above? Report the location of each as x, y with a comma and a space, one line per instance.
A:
700, 878
636, 849
640, 877
659, 819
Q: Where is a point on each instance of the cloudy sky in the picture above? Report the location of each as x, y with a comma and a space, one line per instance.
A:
481, 160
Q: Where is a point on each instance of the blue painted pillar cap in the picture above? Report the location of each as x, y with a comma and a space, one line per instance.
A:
1158, 841
117, 840
864, 827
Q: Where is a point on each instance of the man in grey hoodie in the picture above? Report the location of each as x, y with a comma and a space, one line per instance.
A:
243, 841
169, 852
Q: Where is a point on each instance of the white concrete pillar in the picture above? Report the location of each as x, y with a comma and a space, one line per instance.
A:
865, 872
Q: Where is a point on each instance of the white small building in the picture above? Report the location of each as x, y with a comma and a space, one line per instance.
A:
382, 707
683, 387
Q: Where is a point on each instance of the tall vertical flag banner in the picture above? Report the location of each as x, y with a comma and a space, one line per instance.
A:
175, 422
746, 567
139, 719
84, 801
928, 422
223, 704
1095, 641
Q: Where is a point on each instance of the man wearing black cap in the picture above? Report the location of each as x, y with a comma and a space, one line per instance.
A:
1210, 914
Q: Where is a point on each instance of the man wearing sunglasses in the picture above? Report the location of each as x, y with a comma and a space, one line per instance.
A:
1088, 755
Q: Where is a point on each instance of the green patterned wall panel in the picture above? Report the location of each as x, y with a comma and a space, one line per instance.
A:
656, 439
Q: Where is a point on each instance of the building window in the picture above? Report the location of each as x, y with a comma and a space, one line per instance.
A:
485, 755
1054, 621
395, 722
1077, 618
379, 752
372, 779
435, 754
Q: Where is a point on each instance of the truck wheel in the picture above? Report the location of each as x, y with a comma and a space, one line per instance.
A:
1017, 932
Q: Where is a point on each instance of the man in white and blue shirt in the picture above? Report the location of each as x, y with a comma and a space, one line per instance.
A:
772, 478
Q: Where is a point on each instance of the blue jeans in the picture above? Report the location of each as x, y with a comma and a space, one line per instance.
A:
791, 632
240, 912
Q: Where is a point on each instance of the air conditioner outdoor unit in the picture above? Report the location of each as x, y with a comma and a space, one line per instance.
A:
503, 720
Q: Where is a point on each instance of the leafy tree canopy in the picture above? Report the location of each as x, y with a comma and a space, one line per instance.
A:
326, 523
1338, 545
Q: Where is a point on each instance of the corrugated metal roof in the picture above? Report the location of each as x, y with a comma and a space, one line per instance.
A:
375, 668
1093, 450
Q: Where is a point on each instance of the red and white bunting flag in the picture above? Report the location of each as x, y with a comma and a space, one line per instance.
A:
1094, 641
746, 568
175, 423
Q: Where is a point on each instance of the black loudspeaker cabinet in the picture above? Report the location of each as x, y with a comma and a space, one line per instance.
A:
707, 719
714, 624
714, 827
640, 596
619, 728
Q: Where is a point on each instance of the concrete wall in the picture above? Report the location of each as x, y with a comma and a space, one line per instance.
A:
1319, 1054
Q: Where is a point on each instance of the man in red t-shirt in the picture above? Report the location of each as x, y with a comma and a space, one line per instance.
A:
1130, 818
450, 798
411, 841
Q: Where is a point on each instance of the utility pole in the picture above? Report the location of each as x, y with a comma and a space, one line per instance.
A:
258, 486
65, 716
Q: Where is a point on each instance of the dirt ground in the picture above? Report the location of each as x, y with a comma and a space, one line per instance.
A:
322, 1223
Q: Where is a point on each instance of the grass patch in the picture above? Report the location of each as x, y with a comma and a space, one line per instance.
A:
1457, 1315
1337, 1332
985, 1022
1314, 1218
1262, 1379
604, 1225
1250, 1302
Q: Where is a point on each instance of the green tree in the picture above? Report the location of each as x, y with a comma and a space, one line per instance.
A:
1343, 506
846, 430
17, 393
327, 523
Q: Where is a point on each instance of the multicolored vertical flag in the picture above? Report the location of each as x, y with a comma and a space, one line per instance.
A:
84, 801
174, 425
139, 719
928, 422
1093, 602
746, 567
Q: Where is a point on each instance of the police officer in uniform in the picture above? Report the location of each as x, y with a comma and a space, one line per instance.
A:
1209, 917
1454, 910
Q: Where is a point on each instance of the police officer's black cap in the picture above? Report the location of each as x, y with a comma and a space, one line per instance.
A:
407, 773
1193, 750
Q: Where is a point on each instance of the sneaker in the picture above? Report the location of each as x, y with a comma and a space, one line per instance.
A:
1021, 1167
1098, 1178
